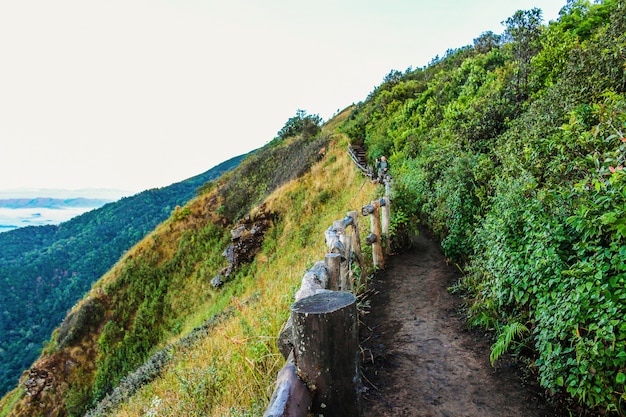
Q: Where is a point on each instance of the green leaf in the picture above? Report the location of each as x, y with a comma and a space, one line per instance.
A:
620, 378
559, 381
608, 218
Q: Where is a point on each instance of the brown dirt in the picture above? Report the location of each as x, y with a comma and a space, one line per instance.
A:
419, 359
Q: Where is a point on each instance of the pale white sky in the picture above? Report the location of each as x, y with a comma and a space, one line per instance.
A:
136, 94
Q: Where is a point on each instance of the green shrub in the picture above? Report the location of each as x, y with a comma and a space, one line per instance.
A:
79, 323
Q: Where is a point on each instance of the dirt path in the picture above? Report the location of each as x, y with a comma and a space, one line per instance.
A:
419, 360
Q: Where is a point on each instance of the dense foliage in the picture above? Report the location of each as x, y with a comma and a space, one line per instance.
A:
44, 270
512, 151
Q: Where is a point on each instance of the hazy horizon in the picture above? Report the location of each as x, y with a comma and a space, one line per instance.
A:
66, 193
16, 218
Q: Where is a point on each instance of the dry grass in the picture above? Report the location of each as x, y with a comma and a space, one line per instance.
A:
231, 372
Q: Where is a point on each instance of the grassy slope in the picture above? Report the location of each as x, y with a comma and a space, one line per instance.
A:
232, 370
229, 368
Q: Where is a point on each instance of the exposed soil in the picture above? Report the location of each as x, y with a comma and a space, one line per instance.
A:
419, 359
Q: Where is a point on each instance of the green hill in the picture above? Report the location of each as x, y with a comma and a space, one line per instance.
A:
45, 270
511, 150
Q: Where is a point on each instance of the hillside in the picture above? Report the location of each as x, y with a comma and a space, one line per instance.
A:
157, 305
45, 270
511, 151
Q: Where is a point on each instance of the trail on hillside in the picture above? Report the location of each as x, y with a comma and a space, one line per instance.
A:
418, 357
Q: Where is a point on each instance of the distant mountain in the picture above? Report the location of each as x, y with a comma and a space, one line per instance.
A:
109, 194
49, 202
44, 270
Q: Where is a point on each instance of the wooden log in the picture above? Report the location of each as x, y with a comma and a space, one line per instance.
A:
346, 270
333, 241
348, 221
377, 247
370, 239
367, 210
388, 185
356, 237
314, 279
291, 397
385, 220
284, 341
332, 261
326, 351
339, 226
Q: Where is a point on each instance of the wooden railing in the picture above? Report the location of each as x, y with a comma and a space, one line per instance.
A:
358, 157
319, 341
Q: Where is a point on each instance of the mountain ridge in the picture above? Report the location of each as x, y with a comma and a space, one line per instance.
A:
511, 151
44, 270
51, 202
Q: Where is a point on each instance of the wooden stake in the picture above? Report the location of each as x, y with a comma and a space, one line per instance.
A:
385, 222
333, 265
377, 248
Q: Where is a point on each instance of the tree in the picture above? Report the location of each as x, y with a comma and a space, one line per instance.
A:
303, 124
486, 42
522, 31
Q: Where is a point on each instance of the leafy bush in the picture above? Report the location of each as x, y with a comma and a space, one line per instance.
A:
306, 125
79, 323
265, 171
513, 154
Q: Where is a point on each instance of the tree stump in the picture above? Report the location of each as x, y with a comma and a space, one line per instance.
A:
326, 351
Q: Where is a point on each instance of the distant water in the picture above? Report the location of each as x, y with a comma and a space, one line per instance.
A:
11, 218
50, 206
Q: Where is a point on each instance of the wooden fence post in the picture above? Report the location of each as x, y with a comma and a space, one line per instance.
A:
346, 270
373, 210
333, 265
339, 228
356, 237
326, 351
385, 222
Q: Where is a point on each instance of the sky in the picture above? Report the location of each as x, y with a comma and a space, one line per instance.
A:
137, 94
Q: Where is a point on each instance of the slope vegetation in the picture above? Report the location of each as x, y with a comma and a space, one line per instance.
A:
154, 336
45, 270
512, 150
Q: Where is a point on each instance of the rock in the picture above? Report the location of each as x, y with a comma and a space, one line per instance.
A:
237, 232
247, 238
217, 281
38, 380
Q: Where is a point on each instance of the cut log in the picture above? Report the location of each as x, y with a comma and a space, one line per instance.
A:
315, 278
326, 351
